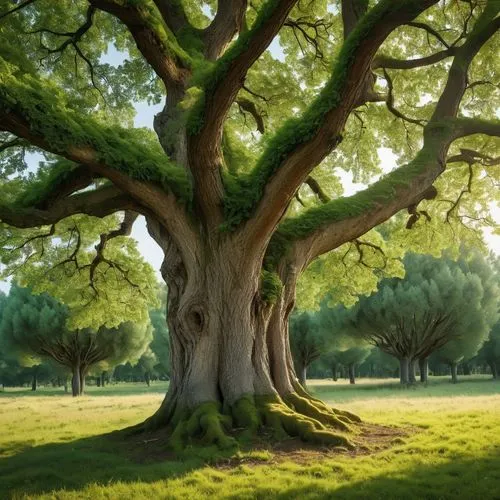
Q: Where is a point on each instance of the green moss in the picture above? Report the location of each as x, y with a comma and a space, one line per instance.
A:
210, 76
242, 199
45, 183
206, 425
307, 407
129, 151
271, 286
245, 413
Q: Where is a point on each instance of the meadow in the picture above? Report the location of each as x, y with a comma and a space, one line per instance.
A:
446, 445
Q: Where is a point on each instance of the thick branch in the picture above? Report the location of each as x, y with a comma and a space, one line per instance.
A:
207, 118
352, 11
317, 133
456, 85
227, 22
153, 39
99, 203
173, 13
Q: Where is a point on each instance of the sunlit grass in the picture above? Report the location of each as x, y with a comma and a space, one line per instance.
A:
452, 449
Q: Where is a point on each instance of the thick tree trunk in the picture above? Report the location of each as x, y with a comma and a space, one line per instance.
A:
147, 379
98, 381
493, 368
83, 376
230, 353
103, 379
404, 371
75, 382
453, 369
411, 371
424, 369
34, 382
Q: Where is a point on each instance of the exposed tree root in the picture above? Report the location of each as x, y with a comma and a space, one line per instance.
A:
287, 422
314, 410
207, 425
295, 417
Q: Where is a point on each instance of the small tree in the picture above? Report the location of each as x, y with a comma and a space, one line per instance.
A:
307, 342
351, 358
33, 327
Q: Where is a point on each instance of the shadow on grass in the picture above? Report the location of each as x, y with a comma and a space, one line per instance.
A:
459, 479
106, 459
99, 459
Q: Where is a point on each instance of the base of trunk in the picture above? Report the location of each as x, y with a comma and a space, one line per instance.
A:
299, 416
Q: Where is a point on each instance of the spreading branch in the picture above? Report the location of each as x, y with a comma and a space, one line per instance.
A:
304, 150
165, 56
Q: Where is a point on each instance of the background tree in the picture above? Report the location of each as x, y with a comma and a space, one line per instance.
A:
351, 358
160, 345
437, 302
490, 351
219, 197
307, 342
33, 327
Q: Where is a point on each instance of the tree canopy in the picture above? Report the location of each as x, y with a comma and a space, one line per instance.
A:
33, 328
440, 306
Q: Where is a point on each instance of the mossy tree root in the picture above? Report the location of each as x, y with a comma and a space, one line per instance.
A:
285, 422
345, 416
206, 425
296, 416
323, 414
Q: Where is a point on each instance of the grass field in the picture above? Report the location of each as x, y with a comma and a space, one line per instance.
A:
52, 446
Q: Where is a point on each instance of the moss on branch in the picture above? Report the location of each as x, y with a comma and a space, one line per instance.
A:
64, 130
245, 192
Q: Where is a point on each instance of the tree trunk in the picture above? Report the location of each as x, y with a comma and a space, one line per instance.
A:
75, 382
453, 369
424, 369
493, 368
404, 371
98, 381
411, 371
334, 368
147, 379
65, 385
103, 379
352, 375
83, 375
34, 382
229, 349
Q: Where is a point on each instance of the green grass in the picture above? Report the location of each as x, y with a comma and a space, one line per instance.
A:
51, 446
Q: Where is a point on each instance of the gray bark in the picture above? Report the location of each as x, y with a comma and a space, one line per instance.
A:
75, 382
453, 369
352, 375
493, 368
411, 371
424, 369
404, 371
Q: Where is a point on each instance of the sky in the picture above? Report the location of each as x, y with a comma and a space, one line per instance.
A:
144, 118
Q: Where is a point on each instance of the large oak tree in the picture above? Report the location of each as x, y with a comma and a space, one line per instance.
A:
225, 203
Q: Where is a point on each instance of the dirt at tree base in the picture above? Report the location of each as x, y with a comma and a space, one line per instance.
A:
372, 438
